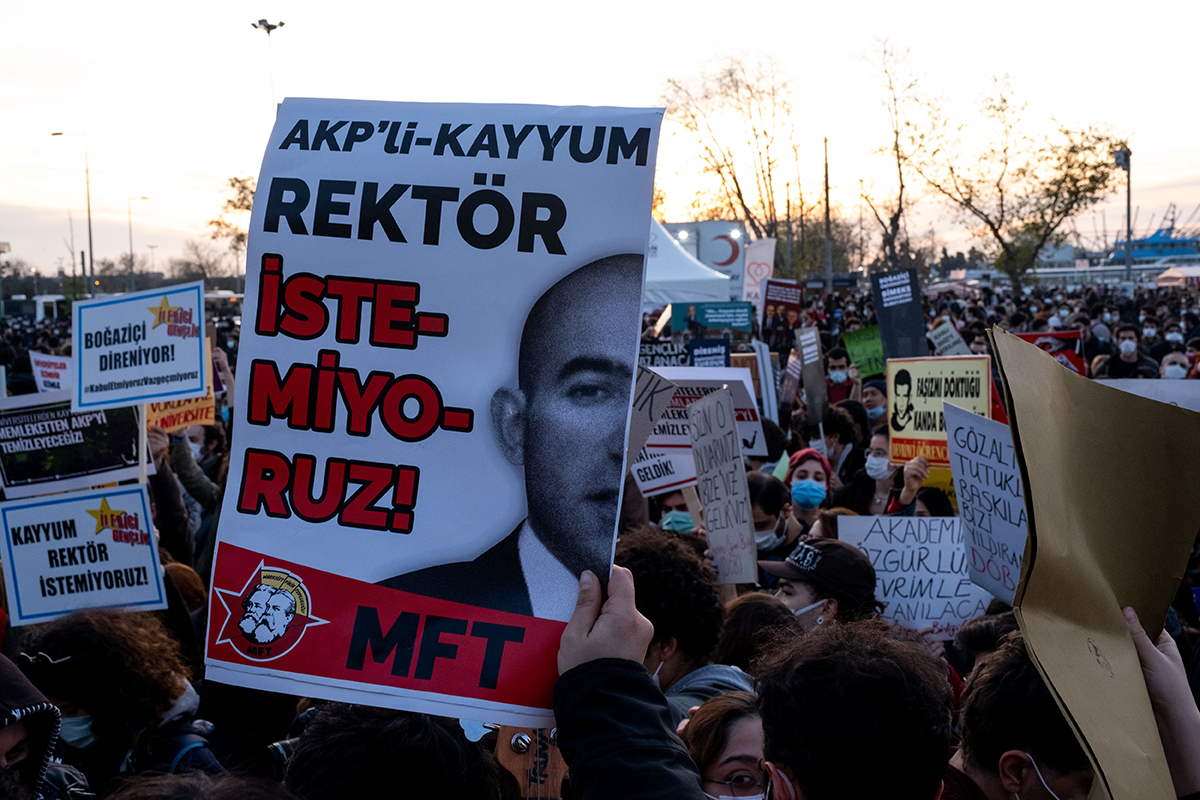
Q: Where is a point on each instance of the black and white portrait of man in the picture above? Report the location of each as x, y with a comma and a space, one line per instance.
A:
266, 614
564, 424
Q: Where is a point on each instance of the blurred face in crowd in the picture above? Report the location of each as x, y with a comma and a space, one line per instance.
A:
810, 469
873, 398
838, 364
1174, 365
737, 771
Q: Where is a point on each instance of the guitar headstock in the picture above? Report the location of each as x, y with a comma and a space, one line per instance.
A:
532, 756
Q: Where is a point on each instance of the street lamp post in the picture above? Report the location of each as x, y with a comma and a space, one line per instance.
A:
129, 211
1123, 158
263, 25
87, 178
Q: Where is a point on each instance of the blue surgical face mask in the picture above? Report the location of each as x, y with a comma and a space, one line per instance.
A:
77, 731
678, 521
808, 494
838, 375
875, 413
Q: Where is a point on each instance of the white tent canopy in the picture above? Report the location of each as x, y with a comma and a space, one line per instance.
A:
674, 276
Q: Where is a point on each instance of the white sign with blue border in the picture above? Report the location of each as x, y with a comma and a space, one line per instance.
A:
81, 550
140, 347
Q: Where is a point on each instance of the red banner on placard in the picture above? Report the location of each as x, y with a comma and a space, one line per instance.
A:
1065, 346
270, 612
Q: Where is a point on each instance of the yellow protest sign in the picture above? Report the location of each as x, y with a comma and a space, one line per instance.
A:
916, 389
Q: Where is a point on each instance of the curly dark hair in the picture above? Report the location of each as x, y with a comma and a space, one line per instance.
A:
122, 667
1007, 706
852, 688
674, 589
199, 786
359, 751
752, 623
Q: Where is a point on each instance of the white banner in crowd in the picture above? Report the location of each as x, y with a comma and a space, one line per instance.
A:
52, 373
139, 347
1182, 393
921, 572
665, 463
89, 549
440, 343
760, 266
991, 502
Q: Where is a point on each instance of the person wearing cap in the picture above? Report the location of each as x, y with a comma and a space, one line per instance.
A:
874, 398
825, 579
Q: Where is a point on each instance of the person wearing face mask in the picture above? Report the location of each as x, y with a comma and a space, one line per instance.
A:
808, 484
842, 378
725, 739
874, 399
776, 531
1174, 366
121, 714
677, 592
1092, 345
1016, 742
1150, 328
868, 492
824, 579
1130, 361
840, 444
1172, 342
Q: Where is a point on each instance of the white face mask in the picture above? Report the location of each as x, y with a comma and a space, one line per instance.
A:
760, 796
77, 731
770, 539
1149, 332
1128, 347
879, 469
808, 608
195, 450
1174, 336
1174, 372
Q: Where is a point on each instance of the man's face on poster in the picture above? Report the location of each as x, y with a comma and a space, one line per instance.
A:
267, 613
903, 394
792, 316
575, 397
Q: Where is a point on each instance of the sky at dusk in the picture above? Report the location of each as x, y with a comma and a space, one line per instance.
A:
176, 98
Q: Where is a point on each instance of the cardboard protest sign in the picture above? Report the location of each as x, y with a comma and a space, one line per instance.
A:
1182, 393
52, 373
865, 349
431, 286
663, 354
45, 447
665, 463
947, 341
89, 549
177, 415
652, 395
721, 484
782, 304
916, 389
760, 265
991, 501
812, 373
1097, 544
1065, 346
898, 310
708, 353
921, 572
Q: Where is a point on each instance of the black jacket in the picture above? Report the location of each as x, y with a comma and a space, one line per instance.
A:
617, 736
20, 701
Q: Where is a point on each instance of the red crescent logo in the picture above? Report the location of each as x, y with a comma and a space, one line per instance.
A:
733, 250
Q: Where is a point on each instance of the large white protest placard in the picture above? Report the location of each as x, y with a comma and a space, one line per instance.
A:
665, 464
435, 370
991, 502
139, 347
84, 550
45, 447
721, 484
921, 572
52, 373
1182, 393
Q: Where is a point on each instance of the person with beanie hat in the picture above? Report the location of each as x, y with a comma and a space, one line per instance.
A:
874, 399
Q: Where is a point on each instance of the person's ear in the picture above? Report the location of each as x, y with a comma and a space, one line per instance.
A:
829, 609
508, 417
1013, 768
782, 785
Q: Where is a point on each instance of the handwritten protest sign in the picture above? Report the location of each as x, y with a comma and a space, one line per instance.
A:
991, 501
898, 309
721, 484
84, 550
139, 347
45, 447
652, 395
917, 387
176, 415
921, 572
430, 286
865, 349
52, 373
665, 463
947, 341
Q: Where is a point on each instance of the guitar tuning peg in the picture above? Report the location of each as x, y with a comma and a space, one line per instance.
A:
520, 743
554, 737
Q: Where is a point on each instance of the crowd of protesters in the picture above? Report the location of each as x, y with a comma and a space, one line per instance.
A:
670, 684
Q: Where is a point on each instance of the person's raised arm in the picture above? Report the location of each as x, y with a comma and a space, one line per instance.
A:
1175, 709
